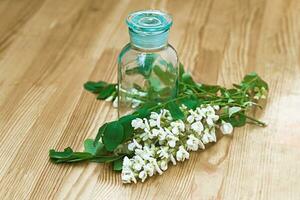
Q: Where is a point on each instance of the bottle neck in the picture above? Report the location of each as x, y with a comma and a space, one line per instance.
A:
149, 41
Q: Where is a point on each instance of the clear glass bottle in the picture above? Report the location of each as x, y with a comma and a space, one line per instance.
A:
147, 66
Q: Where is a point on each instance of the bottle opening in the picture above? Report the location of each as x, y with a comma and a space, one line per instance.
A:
149, 29
149, 21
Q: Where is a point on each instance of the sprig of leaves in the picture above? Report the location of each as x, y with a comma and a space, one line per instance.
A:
108, 145
92, 153
102, 89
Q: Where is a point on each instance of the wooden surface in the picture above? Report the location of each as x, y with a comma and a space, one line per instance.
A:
49, 48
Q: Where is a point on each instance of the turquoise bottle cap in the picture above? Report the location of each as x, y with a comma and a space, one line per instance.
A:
149, 29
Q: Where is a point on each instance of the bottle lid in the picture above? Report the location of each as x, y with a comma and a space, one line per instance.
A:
149, 28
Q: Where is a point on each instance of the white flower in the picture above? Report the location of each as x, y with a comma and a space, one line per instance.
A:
226, 128
201, 145
146, 155
210, 110
179, 124
155, 132
162, 134
190, 119
209, 121
137, 123
197, 127
154, 163
205, 138
165, 113
146, 124
182, 154
154, 145
152, 123
192, 143
131, 146
172, 143
149, 169
126, 163
155, 119
163, 152
213, 135
143, 175
115, 103
127, 176
175, 130
198, 114
134, 144
168, 132
172, 140
216, 107
177, 127
145, 136
154, 115
233, 110
210, 113
172, 159
138, 163
164, 165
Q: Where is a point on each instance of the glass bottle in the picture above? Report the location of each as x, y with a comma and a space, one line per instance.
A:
147, 66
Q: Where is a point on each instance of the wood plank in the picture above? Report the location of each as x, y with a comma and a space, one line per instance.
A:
49, 48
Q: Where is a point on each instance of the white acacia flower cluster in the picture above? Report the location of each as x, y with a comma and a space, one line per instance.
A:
160, 140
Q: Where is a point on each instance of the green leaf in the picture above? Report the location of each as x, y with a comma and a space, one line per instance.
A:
118, 164
146, 67
113, 135
69, 156
166, 76
103, 89
89, 146
181, 70
126, 123
107, 92
98, 149
100, 133
57, 155
95, 87
144, 110
187, 79
154, 84
175, 111
237, 119
190, 103
252, 80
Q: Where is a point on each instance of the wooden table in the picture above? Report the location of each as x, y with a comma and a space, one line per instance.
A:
49, 48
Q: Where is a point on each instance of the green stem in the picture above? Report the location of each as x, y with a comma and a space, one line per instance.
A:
172, 100
258, 122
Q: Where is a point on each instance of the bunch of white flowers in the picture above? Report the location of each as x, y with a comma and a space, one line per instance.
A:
160, 140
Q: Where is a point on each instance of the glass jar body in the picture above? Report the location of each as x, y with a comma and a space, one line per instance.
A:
146, 75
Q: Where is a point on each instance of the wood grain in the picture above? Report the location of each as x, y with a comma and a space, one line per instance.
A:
49, 48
